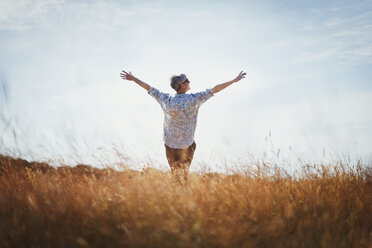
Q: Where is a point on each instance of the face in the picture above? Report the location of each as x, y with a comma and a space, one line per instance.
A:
186, 85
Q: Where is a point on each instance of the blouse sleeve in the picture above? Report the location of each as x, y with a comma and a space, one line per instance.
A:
158, 95
203, 96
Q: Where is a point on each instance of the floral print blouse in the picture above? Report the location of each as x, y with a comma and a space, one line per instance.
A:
180, 115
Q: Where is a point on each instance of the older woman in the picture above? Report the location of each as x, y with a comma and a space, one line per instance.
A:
180, 118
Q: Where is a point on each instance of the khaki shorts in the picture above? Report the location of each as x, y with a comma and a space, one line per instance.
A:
180, 158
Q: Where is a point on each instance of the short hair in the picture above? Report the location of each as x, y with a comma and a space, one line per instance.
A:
176, 81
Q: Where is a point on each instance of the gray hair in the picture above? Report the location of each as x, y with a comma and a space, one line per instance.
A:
176, 81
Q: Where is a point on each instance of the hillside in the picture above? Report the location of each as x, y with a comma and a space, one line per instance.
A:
81, 206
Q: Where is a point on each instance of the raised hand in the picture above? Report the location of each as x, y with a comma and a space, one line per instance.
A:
127, 76
240, 76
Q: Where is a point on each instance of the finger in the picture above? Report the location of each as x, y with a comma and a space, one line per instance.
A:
124, 71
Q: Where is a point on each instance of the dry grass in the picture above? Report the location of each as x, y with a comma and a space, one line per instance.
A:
83, 207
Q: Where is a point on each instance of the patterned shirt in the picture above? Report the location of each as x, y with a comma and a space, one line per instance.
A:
180, 116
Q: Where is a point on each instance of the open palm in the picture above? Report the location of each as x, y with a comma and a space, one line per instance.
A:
240, 76
127, 76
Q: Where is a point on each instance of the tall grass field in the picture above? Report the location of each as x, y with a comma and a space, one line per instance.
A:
81, 206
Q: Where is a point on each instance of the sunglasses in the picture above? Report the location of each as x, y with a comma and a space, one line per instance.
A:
187, 81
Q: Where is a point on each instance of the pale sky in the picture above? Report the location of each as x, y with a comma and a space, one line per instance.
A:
308, 90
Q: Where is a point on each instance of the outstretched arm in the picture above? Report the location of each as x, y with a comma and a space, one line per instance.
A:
128, 76
220, 87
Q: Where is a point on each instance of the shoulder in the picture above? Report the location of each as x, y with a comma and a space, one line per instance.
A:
207, 92
158, 94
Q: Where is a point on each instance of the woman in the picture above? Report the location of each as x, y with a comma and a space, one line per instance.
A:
180, 118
